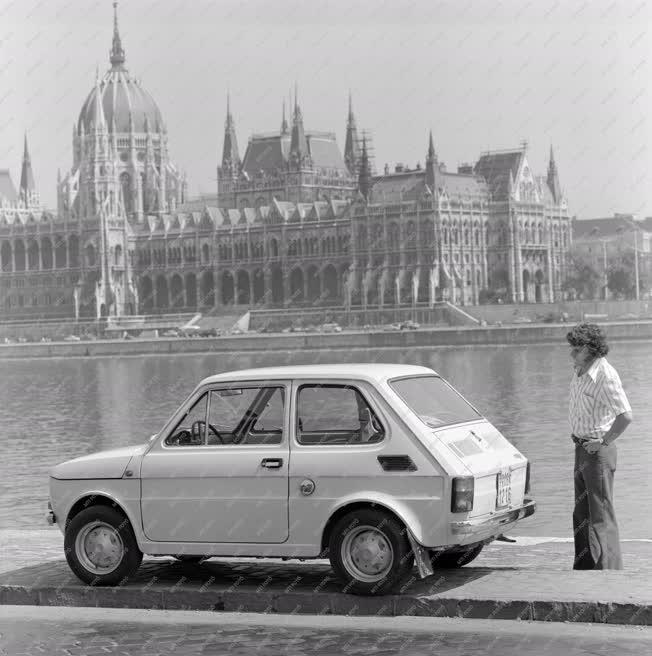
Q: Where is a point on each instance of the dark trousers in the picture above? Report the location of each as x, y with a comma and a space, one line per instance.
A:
597, 543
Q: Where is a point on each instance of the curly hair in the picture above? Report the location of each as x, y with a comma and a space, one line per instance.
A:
591, 336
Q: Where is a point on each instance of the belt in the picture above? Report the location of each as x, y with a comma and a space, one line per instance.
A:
582, 440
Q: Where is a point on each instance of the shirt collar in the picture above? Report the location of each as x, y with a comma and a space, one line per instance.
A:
592, 371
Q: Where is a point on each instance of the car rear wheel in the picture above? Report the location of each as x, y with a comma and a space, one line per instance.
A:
453, 558
370, 552
100, 546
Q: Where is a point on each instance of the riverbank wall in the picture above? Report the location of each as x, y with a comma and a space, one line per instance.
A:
347, 341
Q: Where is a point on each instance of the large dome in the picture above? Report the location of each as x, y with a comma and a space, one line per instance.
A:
121, 95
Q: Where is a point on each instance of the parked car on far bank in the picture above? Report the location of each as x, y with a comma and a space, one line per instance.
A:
377, 466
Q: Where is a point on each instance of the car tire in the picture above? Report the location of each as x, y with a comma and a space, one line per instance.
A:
101, 547
454, 558
384, 565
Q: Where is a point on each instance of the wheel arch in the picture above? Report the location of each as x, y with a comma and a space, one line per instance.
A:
402, 515
90, 499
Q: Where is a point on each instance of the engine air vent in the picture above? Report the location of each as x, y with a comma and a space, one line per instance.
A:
397, 463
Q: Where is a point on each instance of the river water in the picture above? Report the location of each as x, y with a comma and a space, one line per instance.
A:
55, 409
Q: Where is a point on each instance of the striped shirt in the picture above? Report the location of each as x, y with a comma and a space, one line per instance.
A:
597, 397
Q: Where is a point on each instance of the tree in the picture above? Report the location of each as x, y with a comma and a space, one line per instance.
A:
582, 278
621, 276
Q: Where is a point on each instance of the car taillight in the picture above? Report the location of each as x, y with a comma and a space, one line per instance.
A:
527, 478
462, 494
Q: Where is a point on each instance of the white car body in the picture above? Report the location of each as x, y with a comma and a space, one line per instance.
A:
218, 500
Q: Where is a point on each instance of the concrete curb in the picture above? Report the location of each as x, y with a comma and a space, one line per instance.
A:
309, 603
309, 589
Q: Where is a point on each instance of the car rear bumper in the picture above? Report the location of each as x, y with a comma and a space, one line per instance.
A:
485, 526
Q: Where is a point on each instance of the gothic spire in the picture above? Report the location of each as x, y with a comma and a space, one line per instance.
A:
117, 51
98, 121
553, 178
351, 145
27, 186
432, 166
298, 143
364, 174
284, 124
230, 155
431, 149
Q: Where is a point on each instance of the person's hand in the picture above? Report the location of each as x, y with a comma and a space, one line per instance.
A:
592, 447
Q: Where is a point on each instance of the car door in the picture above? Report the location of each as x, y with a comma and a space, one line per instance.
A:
338, 435
221, 473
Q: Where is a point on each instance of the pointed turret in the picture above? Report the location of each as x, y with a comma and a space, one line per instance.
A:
285, 129
553, 178
298, 145
27, 186
364, 174
230, 155
351, 146
98, 121
432, 165
117, 57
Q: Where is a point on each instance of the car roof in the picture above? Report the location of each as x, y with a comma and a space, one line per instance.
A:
370, 371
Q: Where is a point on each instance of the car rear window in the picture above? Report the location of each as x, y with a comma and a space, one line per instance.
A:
434, 401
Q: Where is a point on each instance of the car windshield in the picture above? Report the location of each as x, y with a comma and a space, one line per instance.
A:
434, 401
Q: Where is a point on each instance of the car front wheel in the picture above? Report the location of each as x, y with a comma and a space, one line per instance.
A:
369, 550
100, 546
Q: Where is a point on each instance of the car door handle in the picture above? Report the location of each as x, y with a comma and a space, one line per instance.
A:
272, 463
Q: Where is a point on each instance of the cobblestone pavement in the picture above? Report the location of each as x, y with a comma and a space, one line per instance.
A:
22, 548
90, 632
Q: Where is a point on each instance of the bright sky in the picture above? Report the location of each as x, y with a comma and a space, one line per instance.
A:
482, 74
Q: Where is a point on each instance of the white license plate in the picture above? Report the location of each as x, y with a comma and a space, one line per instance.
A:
504, 489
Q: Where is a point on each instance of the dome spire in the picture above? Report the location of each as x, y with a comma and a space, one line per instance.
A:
117, 51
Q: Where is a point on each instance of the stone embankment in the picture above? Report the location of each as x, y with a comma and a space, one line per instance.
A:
349, 340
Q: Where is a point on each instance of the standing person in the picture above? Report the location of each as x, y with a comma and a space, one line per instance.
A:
599, 412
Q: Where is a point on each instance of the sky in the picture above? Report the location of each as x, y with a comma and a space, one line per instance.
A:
481, 74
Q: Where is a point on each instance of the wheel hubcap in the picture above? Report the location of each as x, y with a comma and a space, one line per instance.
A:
367, 553
99, 547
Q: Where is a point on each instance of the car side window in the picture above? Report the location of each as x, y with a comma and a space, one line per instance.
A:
335, 414
246, 415
190, 431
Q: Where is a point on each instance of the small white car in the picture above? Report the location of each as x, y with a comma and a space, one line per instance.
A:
375, 466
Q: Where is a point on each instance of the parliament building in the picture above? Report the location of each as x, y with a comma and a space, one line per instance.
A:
294, 222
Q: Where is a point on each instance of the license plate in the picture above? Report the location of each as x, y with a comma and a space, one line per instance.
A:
504, 488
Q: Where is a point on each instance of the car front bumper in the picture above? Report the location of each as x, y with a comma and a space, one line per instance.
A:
484, 527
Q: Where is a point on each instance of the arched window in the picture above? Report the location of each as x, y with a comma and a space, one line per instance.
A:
117, 254
90, 255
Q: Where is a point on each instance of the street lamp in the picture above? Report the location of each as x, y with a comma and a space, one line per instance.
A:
632, 223
604, 269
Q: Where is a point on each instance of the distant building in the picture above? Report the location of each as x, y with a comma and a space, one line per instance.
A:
604, 242
294, 222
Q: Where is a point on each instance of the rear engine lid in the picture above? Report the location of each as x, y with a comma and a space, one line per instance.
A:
481, 446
